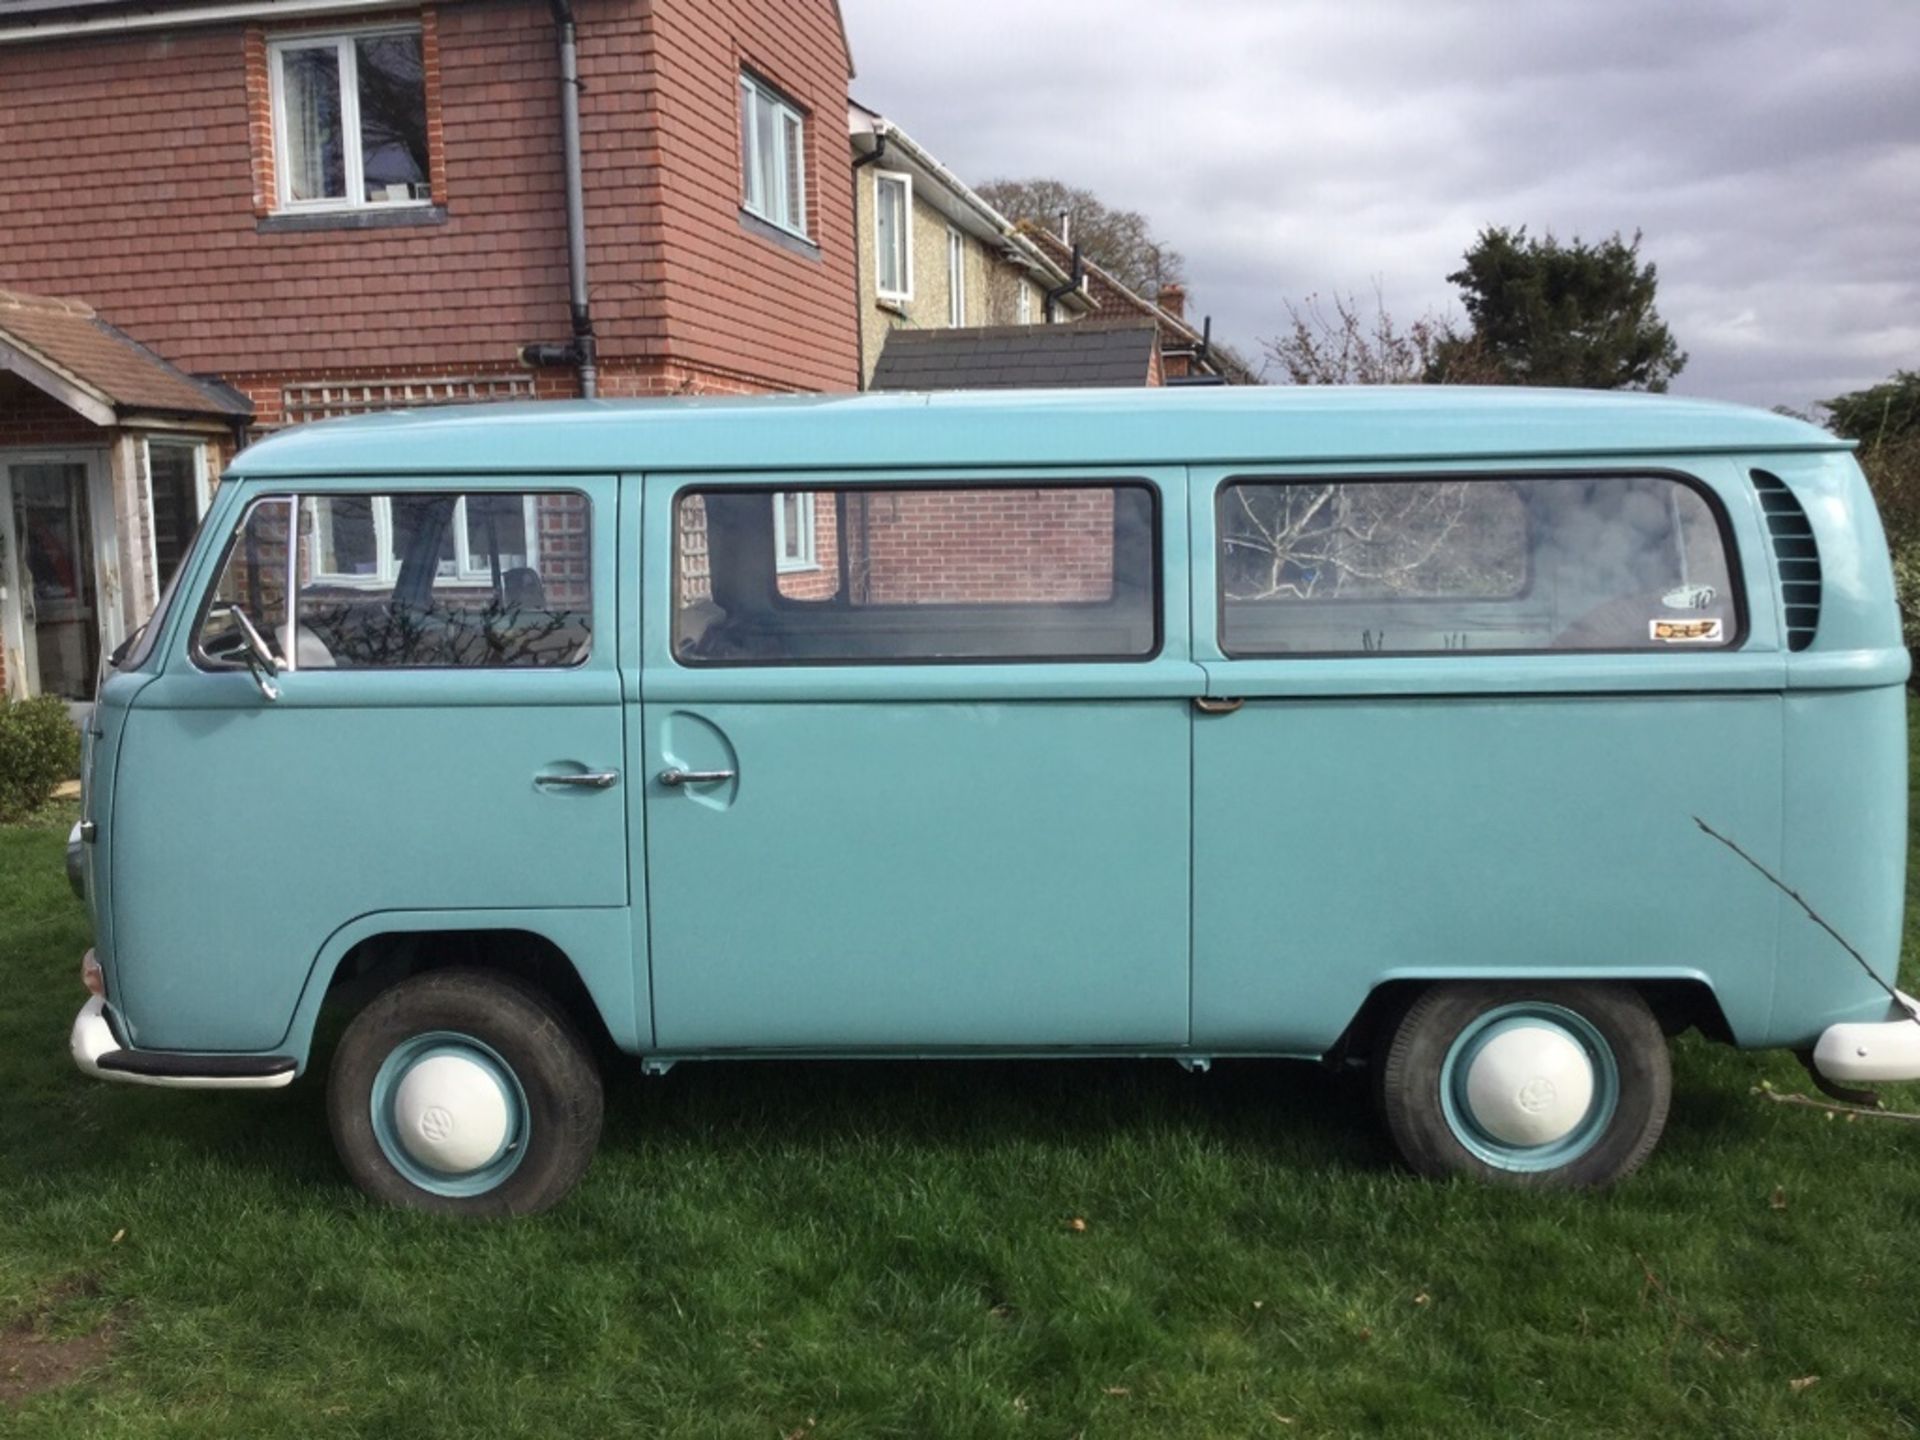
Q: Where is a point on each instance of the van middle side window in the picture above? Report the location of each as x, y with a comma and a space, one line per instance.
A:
1483, 563
902, 575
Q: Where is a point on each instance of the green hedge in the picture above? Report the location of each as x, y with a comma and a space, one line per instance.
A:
39, 748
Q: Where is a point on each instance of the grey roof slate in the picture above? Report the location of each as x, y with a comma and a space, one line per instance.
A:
997, 357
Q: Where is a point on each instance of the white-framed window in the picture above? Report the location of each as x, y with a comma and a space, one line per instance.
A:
1024, 303
773, 156
794, 545
355, 542
350, 119
893, 234
956, 278
176, 480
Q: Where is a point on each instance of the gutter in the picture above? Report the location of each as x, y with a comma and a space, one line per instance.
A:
180, 19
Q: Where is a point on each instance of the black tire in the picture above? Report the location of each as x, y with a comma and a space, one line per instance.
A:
1415, 1064
541, 1048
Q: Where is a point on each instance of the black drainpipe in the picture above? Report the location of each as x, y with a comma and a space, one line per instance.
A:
583, 353
1074, 279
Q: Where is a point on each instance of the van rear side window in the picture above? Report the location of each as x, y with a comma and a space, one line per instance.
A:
866, 576
1464, 563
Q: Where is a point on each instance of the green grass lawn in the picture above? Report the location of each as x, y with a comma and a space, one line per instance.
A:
891, 1249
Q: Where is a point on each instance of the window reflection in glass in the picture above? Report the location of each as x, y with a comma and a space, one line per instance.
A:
393, 117
315, 148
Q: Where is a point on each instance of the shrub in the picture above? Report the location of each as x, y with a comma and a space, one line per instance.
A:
39, 748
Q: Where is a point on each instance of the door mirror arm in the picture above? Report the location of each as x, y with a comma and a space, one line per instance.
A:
255, 653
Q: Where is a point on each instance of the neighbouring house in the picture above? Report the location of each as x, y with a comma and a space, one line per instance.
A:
269, 211
936, 256
1187, 355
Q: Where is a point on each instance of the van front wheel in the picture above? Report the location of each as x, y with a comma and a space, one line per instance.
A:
464, 1092
1553, 1084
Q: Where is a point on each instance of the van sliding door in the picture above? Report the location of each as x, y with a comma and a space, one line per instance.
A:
917, 760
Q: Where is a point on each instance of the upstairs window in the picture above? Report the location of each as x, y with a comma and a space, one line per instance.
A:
893, 235
350, 120
773, 157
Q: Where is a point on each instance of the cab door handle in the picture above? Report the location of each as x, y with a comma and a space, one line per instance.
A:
673, 779
592, 780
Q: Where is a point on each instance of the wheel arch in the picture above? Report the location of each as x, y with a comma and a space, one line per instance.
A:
583, 959
1680, 1001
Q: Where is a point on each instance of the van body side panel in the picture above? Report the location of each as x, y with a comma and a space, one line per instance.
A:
1342, 841
1846, 763
922, 874
941, 856
1845, 852
251, 831
1464, 815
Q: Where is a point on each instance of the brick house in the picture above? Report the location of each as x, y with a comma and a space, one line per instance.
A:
307, 208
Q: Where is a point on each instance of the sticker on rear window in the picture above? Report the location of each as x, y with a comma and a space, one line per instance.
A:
1684, 632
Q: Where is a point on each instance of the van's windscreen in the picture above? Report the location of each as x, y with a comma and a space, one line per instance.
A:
1409, 566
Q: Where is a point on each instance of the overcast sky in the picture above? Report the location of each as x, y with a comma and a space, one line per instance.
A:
1769, 149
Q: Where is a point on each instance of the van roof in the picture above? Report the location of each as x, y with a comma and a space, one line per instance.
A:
1172, 426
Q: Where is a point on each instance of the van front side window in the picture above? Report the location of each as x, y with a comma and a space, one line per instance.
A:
1598, 563
479, 580
867, 576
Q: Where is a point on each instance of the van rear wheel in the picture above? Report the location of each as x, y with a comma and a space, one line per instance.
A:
464, 1092
1550, 1084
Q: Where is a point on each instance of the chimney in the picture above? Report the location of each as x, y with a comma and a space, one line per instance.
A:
1066, 227
1173, 299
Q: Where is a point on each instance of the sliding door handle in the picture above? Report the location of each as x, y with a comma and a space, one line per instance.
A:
673, 779
592, 780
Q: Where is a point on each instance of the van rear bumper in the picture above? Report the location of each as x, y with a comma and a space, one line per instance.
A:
1872, 1052
99, 1053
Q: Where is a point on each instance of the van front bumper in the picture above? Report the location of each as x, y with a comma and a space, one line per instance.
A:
99, 1053
1873, 1052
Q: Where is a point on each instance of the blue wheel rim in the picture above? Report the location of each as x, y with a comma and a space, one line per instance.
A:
1529, 1159
386, 1085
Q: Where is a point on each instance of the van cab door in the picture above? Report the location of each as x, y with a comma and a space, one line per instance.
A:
444, 734
1478, 712
917, 754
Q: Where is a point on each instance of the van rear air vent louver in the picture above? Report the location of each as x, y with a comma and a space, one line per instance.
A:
1798, 557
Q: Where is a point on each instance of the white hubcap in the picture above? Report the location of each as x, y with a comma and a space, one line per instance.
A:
1530, 1085
451, 1114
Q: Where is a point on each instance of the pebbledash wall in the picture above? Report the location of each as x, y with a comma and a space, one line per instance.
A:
139, 177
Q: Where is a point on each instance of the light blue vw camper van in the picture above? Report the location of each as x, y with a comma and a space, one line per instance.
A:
1401, 727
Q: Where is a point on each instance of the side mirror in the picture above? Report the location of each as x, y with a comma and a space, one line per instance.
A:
255, 653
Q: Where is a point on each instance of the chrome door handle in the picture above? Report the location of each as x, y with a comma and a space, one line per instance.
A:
592, 780
675, 778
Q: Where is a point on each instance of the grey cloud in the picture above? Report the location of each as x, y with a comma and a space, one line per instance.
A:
1769, 149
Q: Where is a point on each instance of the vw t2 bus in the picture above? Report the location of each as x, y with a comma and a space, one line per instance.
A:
1378, 727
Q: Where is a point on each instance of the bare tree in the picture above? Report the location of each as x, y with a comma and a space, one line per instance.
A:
1121, 242
1342, 343
1373, 540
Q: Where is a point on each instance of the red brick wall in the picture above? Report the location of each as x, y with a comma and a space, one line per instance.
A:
136, 167
999, 546
932, 547
29, 417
